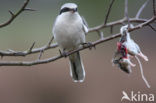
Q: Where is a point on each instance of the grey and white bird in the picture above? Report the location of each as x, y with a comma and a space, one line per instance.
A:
69, 32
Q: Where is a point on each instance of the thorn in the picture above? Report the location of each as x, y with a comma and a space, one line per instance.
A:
12, 14
152, 27
50, 41
40, 55
32, 47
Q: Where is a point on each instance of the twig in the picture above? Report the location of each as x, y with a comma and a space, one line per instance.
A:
108, 12
100, 33
141, 9
152, 27
14, 15
48, 45
51, 40
29, 51
38, 50
30, 63
126, 13
154, 11
118, 22
40, 55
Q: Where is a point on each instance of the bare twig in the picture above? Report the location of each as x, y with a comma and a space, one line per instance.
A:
51, 40
48, 45
100, 33
141, 9
30, 63
24, 53
31, 47
118, 22
40, 55
14, 15
154, 11
152, 27
108, 12
126, 13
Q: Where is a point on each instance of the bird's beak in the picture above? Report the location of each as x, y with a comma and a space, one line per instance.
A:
73, 10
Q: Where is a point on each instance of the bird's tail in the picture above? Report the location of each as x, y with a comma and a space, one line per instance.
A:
76, 67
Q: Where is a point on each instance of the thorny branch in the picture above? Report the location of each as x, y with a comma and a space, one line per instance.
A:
14, 15
108, 12
141, 23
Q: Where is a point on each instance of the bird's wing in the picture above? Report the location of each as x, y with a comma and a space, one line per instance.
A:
85, 25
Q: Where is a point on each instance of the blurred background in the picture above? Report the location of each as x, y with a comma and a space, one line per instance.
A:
51, 83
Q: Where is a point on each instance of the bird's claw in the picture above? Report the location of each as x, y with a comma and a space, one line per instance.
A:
88, 44
63, 53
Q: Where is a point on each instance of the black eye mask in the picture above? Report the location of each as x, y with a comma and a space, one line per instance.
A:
67, 9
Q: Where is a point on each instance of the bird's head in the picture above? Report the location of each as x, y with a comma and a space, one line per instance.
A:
68, 8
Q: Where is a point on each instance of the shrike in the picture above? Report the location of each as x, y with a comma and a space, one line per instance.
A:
69, 32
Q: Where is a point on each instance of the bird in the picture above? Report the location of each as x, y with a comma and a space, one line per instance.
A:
132, 47
69, 32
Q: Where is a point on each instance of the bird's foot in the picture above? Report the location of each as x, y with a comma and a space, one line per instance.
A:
88, 44
63, 53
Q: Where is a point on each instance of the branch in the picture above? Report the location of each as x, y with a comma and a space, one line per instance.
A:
108, 12
46, 47
154, 11
143, 22
13, 16
141, 9
126, 12
118, 22
152, 27
30, 63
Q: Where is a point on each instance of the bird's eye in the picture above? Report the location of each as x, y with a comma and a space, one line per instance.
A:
64, 10
76, 9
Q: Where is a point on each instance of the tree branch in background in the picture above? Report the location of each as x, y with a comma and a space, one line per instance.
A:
154, 11
141, 9
108, 12
46, 47
141, 24
14, 15
126, 13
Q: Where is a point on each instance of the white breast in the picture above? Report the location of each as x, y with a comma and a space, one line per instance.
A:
68, 30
